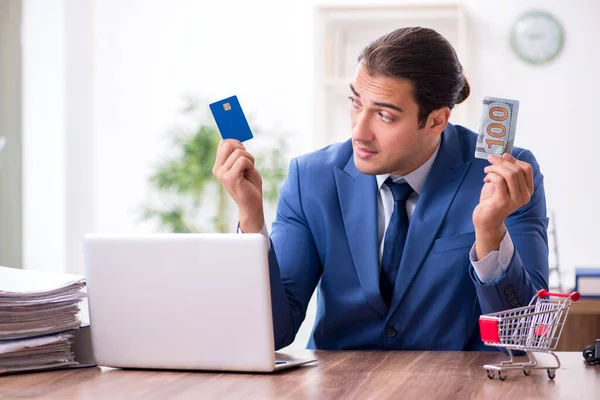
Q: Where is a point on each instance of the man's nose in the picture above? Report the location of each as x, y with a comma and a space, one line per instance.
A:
361, 130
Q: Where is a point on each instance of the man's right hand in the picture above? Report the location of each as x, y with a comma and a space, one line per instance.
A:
234, 168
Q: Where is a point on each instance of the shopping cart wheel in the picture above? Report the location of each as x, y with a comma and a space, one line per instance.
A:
490, 373
501, 375
526, 372
551, 373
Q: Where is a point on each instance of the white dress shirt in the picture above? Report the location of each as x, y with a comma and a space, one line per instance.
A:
488, 270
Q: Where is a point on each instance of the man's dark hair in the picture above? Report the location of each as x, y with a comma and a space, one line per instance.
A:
427, 60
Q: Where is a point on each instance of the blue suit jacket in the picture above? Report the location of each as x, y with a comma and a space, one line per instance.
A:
325, 234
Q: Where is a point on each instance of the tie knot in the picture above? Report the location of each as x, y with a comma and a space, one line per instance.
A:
400, 191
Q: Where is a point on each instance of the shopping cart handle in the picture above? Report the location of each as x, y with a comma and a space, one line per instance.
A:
543, 293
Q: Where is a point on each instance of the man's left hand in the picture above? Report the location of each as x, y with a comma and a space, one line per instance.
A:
507, 187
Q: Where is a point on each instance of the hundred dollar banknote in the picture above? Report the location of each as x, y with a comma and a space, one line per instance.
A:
498, 127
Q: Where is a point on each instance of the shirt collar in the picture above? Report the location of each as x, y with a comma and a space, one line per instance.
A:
416, 179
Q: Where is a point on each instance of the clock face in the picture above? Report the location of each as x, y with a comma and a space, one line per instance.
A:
537, 37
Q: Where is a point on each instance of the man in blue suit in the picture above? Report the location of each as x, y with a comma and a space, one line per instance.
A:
407, 236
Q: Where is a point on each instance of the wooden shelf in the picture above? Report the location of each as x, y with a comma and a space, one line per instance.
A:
585, 307
582, 326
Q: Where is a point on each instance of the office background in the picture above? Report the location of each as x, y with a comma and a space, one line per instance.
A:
90, 89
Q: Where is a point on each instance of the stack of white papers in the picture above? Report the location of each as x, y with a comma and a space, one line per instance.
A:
40, 313
34, 303
37, 353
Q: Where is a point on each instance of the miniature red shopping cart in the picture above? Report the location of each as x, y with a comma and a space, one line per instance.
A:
535, 328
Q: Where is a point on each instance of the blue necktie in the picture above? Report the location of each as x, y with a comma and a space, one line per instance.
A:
395, 236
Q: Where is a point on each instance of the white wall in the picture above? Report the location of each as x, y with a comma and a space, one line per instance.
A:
149, 54
58, 132
556, 112
44, 136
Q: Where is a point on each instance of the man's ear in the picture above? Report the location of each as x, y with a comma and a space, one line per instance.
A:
437, 121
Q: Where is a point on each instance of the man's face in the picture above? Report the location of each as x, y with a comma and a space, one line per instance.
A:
386, 137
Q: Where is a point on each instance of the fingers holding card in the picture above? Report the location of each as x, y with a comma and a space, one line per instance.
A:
234, 166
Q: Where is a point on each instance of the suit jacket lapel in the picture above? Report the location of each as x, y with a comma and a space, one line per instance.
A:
357, 194
444, 180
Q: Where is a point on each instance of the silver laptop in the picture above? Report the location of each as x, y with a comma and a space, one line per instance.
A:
181, 301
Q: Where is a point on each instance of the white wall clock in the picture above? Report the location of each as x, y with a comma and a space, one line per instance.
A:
537, 37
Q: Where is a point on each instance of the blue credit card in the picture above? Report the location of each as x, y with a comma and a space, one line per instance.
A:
230, 119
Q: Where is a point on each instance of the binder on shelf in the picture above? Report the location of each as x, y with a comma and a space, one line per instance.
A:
587, 282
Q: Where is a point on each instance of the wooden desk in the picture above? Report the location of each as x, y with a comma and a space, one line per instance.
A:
344, 374
582, 327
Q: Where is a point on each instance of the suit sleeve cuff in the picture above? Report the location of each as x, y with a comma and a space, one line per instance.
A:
264, 231
492, 267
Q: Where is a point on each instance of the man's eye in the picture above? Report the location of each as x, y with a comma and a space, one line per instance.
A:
385, 118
